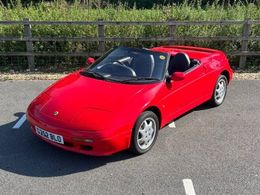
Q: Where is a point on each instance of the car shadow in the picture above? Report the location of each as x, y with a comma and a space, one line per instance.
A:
204, 106
23, 153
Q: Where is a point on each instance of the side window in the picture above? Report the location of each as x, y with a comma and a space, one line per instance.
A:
194, 62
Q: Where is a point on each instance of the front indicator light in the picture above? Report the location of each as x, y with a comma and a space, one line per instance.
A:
83, 140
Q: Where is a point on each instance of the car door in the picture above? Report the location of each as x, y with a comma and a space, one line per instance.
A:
179, 96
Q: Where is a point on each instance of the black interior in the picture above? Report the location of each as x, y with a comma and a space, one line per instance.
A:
142, 66
181, 63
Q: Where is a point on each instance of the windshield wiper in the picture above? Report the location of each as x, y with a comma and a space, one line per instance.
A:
140, 79
93, 74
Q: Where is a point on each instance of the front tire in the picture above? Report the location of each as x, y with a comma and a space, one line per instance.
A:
144, 133
220, 91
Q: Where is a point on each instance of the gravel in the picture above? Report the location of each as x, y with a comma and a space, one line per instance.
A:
56, 76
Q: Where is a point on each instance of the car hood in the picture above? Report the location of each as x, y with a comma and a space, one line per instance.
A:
76, 94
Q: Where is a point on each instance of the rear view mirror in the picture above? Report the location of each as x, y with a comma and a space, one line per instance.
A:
90, 61
178, 76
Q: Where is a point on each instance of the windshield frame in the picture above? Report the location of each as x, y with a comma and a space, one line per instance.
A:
135, 80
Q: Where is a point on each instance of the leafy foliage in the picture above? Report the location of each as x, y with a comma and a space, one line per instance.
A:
60, 10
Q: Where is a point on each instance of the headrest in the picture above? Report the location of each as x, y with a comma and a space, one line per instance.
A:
179, 63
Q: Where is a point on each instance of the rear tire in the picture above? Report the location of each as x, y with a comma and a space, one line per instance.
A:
220, 91
144, 133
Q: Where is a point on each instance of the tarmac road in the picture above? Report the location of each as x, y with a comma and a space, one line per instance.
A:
218, 149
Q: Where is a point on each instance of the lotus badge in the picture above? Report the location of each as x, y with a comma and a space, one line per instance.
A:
55, 113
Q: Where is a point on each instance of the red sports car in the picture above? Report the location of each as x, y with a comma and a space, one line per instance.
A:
122, 100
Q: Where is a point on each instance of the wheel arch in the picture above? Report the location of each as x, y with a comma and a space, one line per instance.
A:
226, 74
156, 111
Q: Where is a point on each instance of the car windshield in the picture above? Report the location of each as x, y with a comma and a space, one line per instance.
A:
124, 64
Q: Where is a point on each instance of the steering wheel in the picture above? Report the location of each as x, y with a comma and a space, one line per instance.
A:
130, 69
121, 63
127, 69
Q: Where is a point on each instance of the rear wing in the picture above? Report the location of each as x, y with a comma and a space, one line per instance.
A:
191, 48
193, 52
199, 49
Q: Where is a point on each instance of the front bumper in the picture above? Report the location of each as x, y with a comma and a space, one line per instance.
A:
73, 140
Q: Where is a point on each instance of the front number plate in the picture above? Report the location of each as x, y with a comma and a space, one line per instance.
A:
48, 135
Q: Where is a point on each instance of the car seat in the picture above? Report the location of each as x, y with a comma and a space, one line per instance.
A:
179, 63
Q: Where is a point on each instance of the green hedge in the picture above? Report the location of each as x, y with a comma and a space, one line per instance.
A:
62, 11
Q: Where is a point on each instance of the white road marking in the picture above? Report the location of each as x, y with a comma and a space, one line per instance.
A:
188, 186
20, 122
172, 125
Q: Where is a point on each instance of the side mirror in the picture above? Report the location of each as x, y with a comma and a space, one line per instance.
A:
90, 61
178, 76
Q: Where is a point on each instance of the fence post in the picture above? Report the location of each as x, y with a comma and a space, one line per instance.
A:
29, 44
244, 43
101, 36
172, 31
